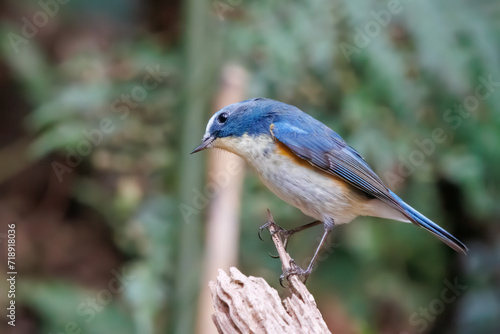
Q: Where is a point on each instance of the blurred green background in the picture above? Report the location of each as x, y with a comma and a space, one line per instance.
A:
101, 103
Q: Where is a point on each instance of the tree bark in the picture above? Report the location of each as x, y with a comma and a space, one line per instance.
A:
249, 305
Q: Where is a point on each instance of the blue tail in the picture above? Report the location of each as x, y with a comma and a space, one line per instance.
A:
419, 219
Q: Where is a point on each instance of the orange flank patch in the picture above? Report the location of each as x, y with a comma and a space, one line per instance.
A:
283, 150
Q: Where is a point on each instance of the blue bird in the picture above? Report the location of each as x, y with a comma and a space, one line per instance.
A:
309, 166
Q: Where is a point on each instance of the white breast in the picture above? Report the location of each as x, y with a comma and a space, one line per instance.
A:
315, 193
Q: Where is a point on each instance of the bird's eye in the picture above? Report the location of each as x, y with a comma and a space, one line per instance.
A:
222, 118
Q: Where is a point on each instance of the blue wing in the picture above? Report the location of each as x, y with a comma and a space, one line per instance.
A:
324, 148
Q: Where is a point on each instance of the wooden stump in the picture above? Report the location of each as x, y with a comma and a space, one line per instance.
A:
249, 305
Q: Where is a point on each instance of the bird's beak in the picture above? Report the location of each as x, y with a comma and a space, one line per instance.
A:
206, 142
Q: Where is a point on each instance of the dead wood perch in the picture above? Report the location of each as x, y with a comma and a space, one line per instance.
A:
249, 305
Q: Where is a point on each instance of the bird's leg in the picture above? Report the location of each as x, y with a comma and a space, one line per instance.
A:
286, 234
296, 270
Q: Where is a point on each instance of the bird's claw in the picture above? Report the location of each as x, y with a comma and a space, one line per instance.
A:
274, 256
294, 269
283, 234
259, 233
279, 229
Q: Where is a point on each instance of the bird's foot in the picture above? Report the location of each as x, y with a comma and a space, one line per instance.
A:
294, 269
277, 229
282, 233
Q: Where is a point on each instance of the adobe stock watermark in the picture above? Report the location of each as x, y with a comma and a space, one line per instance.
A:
363, 37
422, 318
453, 116
218, 181
221, 7
121, 107
89, 308
32, 25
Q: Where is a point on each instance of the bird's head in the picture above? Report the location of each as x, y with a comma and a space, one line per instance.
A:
231, 124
